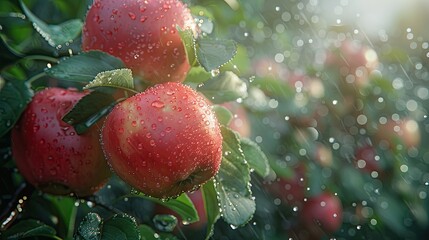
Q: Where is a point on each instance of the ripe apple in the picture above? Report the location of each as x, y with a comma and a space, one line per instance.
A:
163, 141
365, 159
321, 215
323, 155
50, 154
198, 201
404, 132
291, 191
354, 61
143, 34
240, 121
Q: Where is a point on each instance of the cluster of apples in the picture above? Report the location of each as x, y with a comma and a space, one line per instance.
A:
163, 141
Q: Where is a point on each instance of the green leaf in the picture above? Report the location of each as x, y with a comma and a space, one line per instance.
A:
274, 87
90, 227
9, 55
204, 24
223, 115
233, 182
55, 35
197, 75
211, 205
29, 229
89, 110
214, 53
182, 205
255, 157
147, 233
119, 78
14, 97
84, 67
189, 44
120, 227
224, 88
65, 209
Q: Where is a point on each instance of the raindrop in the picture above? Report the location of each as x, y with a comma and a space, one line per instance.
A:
157, 104
165, 222
132, 16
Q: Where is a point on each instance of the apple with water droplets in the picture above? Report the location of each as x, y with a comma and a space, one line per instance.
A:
163, 141
321, 215
143, 34
50, 154
290, 190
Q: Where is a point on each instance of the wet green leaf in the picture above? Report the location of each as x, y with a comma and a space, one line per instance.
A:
232, 182
84, 67
223, 115
214, 53
55, 35
255, 157
225, 87
29, 229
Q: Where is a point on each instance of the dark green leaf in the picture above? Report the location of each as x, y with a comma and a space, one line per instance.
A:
119, 78
90, 227
28, 229
214, 53
14, 97
65, 210
165, 222
89, 110
189, 44
8, 54
55, 35
211, 205
392, 213
181, 205
147, 233
197, 75
223, 115
224, 88
233, 182
84, 67
120, 227
255, 157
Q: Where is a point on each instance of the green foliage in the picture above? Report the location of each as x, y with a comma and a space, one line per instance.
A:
29, 229
81, 68
225, 87
232, 183
15, 95
55, 35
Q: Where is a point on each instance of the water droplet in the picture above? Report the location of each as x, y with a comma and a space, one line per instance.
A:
165, 222
132, 16
157, 104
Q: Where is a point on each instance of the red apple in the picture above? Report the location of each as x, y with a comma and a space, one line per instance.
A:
321, 215
50, 154
323, 155
354, 61
291, 191
365, 159
143, 34
403, 132
164, 141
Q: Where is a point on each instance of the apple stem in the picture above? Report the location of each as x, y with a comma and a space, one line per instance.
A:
16, 205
